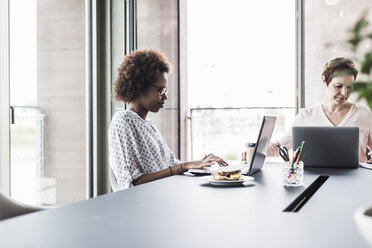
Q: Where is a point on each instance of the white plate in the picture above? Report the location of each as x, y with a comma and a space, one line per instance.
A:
242, 180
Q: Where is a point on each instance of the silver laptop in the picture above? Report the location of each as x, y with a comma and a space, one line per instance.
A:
262, 145
336, 147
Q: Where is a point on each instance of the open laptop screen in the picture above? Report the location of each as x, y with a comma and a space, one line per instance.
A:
262, 144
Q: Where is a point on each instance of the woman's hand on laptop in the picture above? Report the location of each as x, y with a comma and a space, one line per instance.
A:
207, 160
217, 159
370, 157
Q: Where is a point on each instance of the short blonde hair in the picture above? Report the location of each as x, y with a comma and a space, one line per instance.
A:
339, 66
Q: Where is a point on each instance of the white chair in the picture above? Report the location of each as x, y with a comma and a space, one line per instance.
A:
113, 181
11, 208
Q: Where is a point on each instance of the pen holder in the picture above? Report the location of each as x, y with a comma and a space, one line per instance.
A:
293, 176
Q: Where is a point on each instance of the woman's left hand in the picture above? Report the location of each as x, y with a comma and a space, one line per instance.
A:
370, 157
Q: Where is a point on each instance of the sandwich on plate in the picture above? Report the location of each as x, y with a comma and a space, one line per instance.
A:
226, 173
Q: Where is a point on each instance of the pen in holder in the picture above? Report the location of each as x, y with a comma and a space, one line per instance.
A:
293, 171
293, 174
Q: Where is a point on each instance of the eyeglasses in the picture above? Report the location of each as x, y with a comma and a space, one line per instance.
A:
161, 90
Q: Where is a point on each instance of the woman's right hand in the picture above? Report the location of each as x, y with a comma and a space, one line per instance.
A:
206, 161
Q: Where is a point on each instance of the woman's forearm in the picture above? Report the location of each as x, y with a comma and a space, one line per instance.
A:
177, 169
173, 170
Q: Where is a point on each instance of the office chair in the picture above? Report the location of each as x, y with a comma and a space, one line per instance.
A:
11, 208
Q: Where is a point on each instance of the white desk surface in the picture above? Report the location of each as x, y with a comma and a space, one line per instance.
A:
184, 211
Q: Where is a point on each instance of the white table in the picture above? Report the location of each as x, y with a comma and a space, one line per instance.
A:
184, 211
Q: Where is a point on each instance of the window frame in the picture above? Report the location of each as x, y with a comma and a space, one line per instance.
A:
4, 99
300, 50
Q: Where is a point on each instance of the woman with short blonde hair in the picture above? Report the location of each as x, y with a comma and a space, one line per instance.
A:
338, 77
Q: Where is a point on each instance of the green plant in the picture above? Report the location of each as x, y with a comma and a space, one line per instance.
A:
359, 33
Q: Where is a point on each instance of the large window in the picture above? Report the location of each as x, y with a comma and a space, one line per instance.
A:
233, 62
241, 66
47, 95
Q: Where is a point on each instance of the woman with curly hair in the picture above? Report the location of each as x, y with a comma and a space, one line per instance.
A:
138, 153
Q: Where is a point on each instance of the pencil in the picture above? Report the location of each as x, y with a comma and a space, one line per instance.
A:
299, 155
295, 156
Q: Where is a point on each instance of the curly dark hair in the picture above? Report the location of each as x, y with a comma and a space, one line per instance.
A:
137, 72
339, 66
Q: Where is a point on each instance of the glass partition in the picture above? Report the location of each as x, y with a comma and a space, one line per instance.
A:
47, 95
